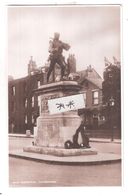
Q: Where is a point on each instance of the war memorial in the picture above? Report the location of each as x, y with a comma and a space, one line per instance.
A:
61, 133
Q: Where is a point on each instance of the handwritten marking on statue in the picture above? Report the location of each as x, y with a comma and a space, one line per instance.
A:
65, 104
70, 104
60, 105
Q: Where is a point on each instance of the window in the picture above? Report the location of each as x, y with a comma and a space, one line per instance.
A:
110, 75
38, 84
26, 103
95, 116
38, 100
95, 97
26, 120
103, 118
32, 101
13, 89
32, 119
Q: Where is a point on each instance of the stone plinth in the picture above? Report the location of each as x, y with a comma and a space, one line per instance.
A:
60, 151
54, 130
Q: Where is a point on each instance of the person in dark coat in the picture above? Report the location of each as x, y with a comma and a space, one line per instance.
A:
83, 130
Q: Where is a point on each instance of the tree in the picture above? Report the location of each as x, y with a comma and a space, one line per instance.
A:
111, 89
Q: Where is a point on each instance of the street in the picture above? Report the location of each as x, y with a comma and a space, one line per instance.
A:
26, 173
17, 143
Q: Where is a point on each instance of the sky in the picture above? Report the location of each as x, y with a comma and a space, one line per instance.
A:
93, 32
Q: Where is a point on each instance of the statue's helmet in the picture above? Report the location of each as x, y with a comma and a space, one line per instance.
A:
56, 35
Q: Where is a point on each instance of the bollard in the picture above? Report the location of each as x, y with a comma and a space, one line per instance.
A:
28, 133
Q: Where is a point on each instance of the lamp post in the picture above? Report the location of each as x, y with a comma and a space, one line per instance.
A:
111, 104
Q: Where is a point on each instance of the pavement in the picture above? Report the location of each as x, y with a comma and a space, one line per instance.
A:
109, 155
103, 140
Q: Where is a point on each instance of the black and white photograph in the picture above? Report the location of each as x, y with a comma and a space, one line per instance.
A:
64, 95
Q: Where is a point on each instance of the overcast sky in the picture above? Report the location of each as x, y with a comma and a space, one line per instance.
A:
92, 32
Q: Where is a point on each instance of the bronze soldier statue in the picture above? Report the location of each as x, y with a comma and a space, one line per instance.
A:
55, 50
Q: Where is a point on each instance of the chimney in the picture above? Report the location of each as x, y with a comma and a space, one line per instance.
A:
31, 66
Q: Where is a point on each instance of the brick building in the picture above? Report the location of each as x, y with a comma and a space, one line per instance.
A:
91, 83
23, 103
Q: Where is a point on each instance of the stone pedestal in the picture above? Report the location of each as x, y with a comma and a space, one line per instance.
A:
54, 130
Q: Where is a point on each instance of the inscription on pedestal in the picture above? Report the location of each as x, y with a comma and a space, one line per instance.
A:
53, 130
44, 102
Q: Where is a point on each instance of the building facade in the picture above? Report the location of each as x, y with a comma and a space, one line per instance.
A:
91, 84
23, 103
